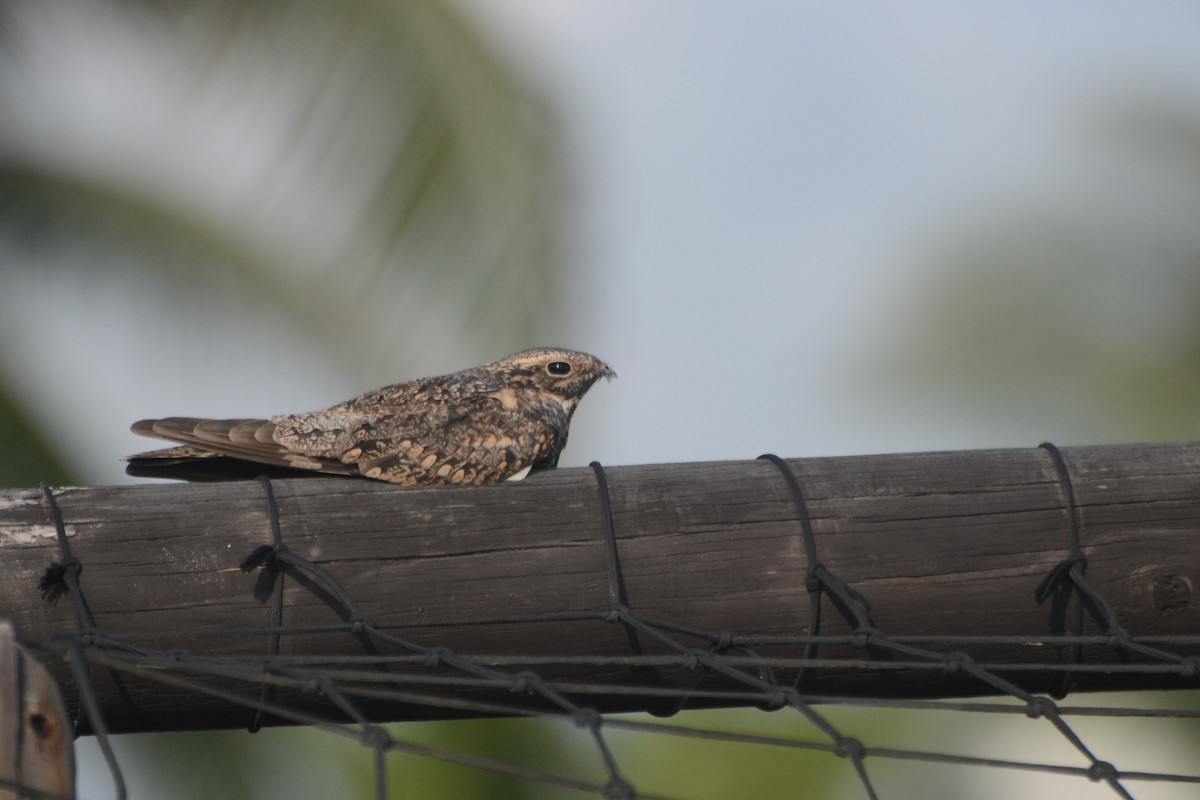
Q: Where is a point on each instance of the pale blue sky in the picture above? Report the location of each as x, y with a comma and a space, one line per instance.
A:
759, 184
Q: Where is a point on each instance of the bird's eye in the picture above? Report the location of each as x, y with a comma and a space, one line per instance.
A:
558, 368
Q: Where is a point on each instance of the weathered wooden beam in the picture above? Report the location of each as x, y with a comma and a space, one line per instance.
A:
36, 759
940, 544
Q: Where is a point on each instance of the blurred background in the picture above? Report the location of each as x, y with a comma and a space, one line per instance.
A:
810, 229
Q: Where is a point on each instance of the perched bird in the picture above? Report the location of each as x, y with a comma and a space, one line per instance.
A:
481, 425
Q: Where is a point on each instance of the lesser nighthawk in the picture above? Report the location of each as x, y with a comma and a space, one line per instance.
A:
481, 425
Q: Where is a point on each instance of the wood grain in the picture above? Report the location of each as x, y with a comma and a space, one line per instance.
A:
950, 543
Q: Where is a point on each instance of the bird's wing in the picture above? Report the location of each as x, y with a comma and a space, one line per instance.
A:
246, 439
435, 448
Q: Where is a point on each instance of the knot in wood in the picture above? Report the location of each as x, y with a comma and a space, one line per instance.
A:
1172, 593
42, 726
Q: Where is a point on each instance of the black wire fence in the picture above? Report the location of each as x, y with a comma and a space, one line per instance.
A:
665, 666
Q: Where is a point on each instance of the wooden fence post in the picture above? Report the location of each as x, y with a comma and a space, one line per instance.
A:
947, 549
36, 758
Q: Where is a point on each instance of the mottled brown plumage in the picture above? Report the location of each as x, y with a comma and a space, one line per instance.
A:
481, 425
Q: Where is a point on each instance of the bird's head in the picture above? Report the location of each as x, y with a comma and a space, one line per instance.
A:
565, 375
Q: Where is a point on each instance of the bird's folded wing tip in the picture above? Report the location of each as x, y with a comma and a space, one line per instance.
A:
143, 427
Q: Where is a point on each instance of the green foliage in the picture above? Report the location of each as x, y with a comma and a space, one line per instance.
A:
1077, 314
365, 168
26, 459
